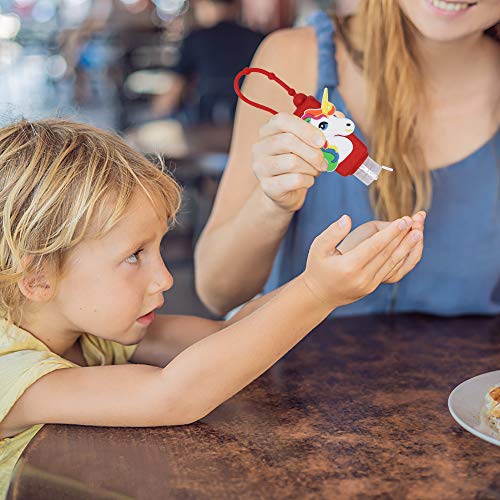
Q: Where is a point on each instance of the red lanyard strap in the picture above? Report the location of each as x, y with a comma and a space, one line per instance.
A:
271, 76
300, 101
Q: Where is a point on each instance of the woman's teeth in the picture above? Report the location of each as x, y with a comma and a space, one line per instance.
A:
451, 6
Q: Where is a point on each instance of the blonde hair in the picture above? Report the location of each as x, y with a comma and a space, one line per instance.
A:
395, 95
59, 179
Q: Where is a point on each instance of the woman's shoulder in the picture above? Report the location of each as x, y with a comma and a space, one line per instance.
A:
291, 53
301, 38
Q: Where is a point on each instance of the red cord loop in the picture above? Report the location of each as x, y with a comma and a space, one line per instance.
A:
297, 98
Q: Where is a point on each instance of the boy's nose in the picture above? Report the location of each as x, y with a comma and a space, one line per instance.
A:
163, 279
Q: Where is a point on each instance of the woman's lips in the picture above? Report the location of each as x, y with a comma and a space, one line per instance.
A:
449, 9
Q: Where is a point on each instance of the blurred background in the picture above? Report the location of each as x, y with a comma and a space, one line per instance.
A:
157, 72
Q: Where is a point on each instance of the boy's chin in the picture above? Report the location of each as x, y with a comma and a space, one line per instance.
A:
132, 336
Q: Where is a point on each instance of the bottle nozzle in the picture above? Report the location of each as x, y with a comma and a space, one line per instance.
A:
369, 171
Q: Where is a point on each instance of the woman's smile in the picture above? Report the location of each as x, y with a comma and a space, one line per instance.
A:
450, 9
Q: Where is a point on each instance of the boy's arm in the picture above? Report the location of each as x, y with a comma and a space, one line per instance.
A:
169, 335
192, 385
212, 370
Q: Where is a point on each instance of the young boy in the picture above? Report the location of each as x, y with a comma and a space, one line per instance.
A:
82, 217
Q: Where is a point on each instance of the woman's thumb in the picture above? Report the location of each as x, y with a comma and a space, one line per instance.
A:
334, 234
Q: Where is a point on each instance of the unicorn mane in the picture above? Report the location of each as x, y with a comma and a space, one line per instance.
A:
327, 108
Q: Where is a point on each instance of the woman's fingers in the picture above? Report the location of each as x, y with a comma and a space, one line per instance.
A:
285, 122
279, 185
283, 164
285, 143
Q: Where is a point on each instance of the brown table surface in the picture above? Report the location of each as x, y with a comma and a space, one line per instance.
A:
358, 409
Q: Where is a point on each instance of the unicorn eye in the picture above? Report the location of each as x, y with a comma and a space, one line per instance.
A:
323, 125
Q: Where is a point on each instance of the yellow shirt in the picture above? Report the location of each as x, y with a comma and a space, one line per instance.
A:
23, 360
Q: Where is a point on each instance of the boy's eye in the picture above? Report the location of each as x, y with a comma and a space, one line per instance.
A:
134, 258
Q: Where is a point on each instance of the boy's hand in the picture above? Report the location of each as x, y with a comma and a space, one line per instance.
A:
363, 232
338, 279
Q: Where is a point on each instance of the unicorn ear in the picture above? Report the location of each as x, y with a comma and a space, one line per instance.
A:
326, 106
339, 114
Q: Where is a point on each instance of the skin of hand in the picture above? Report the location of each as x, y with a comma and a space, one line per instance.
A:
338, 279
365, 231
287, 158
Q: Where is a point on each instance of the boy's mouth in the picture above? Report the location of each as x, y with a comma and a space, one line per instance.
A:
150, 316
147, 318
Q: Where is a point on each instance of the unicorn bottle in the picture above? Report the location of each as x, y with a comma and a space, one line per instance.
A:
343, 151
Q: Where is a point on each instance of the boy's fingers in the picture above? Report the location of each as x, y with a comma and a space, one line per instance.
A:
355, 237
408, 264
393, 275
418, 220
374, 248
286, 122
333, 235
400, 254
387, 256
421, 215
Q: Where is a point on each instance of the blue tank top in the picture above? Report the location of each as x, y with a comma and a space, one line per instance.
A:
460, 267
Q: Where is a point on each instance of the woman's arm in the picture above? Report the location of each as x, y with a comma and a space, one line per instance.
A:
235, 253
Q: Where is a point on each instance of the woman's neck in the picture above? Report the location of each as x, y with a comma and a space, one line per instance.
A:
457, 66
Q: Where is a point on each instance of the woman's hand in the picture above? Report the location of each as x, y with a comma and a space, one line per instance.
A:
337, 279
365, 231
287, 158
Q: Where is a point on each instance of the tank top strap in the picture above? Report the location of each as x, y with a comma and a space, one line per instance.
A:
327, 64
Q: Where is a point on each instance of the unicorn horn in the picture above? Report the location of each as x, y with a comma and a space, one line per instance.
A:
326, 107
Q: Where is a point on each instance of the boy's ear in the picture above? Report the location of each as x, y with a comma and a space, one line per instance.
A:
36, 287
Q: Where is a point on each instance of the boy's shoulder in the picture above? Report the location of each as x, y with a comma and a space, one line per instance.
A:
18, 343
14, 339
23, 360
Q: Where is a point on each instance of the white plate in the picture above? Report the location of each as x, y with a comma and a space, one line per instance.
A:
466, 402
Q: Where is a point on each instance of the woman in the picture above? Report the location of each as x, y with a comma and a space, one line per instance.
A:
420, 80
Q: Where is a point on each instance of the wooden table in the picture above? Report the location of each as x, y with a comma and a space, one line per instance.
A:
358, 409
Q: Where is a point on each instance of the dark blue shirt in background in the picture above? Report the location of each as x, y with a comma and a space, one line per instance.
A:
211, 57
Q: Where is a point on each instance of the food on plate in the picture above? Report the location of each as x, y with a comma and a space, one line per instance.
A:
492, 408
